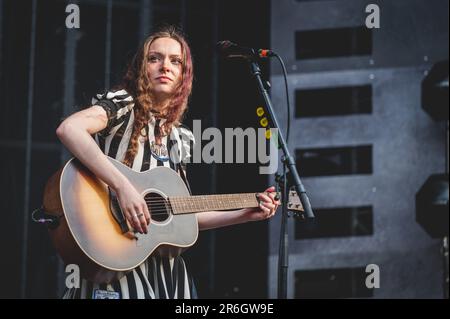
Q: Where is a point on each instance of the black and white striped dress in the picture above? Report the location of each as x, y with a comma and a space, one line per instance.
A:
158, 277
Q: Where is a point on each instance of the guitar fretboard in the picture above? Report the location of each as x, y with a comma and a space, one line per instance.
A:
203, 203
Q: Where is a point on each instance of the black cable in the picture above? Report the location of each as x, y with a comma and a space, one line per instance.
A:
287, 97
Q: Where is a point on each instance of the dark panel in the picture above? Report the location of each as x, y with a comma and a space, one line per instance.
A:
335, 161
333, 101
327, 43
332, 283
12, 172
90, 54
125, 40
168, 12
49, 71
14, 69
432, 206
337, 222
435, 91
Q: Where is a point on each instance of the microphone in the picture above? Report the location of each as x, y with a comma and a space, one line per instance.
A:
232, 50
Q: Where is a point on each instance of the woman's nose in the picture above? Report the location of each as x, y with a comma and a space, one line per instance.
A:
165, 66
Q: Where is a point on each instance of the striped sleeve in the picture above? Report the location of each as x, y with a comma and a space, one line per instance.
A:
116, 104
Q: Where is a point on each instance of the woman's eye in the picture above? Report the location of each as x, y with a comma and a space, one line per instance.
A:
176, 61
153, 58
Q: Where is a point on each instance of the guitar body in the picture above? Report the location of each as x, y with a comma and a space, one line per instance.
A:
90, 236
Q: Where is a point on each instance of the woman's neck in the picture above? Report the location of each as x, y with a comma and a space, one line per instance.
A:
160, 106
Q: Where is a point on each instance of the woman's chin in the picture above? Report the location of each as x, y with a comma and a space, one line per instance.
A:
163, 91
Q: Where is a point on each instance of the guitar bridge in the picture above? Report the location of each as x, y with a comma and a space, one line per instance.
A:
138, 238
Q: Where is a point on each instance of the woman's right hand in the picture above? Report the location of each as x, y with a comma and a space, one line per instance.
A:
134, 207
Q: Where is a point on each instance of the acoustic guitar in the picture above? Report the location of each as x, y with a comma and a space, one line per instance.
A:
92, 232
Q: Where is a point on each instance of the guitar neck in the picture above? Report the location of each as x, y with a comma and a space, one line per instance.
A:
204, 203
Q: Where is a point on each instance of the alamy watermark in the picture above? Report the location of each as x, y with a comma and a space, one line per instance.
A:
230, 148
373, 19
73, 18
73, 277
373, 279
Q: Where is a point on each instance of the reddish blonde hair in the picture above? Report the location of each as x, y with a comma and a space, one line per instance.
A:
137, 83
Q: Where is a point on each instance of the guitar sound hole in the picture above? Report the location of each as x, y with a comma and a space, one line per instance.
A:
157, 206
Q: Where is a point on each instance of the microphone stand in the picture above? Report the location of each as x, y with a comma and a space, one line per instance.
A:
288, 164
283, 250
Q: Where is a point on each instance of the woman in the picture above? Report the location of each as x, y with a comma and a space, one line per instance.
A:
137, 124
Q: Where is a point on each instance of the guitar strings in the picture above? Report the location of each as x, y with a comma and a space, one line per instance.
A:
159, 212
165, 205
165, 208
191, 198
161, 206
172, 199
182, 202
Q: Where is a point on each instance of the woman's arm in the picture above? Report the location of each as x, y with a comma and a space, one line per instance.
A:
75, 133
215, 219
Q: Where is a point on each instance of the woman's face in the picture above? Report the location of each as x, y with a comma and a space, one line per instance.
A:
164, 66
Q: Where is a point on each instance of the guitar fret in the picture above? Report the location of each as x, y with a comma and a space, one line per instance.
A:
202, 203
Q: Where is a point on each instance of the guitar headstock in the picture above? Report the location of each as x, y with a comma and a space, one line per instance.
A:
294, 203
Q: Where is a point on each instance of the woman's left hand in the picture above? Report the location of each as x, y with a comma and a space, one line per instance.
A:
267, 206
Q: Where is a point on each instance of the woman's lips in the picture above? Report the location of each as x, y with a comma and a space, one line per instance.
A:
164, 79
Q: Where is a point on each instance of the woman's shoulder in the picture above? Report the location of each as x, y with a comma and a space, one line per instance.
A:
117, 105
119, 95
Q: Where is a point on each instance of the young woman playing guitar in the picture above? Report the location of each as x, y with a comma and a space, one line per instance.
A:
136, 124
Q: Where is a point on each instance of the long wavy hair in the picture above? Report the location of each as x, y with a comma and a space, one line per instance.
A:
137, 83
